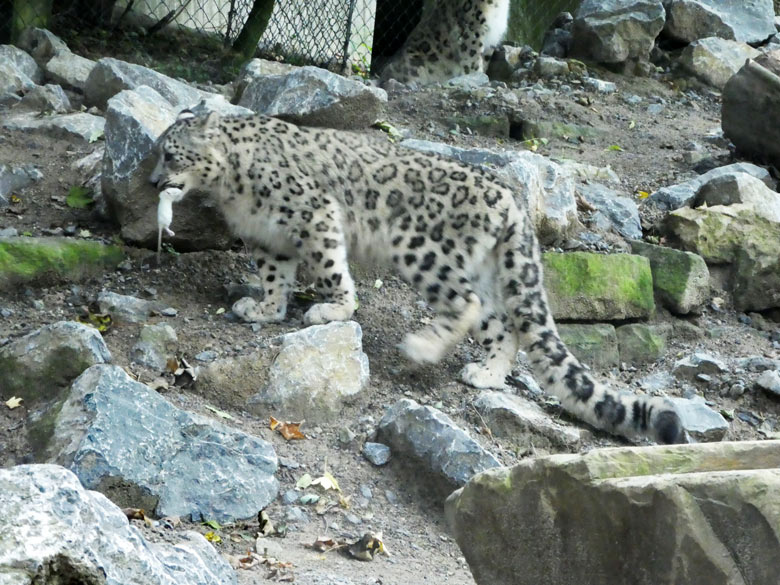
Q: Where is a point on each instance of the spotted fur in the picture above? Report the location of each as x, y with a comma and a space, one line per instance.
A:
451, 39
453, 231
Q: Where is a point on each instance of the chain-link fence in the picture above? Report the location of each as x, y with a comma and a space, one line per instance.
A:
346, 35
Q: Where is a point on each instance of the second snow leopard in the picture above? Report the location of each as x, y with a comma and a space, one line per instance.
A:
451, 39
455, 232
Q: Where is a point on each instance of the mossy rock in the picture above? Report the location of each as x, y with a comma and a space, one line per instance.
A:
639, 343
48, 260
593, 344
598, 287
681, 279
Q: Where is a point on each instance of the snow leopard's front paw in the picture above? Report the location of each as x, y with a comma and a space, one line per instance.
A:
249, 310
481, 376
327, 312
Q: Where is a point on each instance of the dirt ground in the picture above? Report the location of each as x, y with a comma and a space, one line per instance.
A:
387, 499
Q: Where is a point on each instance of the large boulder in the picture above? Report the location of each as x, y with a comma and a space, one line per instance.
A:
750, 21
315, 97
39, 365
55, 531
612, 210
168, 461
110, 76
751, 108
316, 371
585, 285
737, 236
134, 121
715, 60
742, 188
19, 60
69, 70
616, 31
686, 514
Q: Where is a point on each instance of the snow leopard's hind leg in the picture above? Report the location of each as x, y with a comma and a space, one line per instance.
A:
554, 366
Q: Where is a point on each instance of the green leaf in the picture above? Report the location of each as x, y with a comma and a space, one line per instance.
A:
212, 524
615, 147
79, 198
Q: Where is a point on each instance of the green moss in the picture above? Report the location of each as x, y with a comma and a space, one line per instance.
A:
595, 286
53, 259
44, 382
41, 431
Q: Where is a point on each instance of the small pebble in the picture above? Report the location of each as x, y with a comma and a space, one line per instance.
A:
376, 453
206, 356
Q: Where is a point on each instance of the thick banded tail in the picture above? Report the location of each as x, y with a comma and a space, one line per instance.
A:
555, 368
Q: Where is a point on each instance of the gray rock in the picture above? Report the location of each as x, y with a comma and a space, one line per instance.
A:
55, 531
21, 61
599, 85
699, 363
749, 21
684, 194
616, 31
315, 97
69, 70
156, 344
715, 60
701, 422
111, 76
707, 506
16, 178
47, 98
79, 125
316, 370
258, 68
758, 364
739, 237
376, 453
612, 210
134, 121
39, 365
169, 461
431, 439
127, 309
681, 280
9, 233
732, 188
525, 424
12, 82
769, 382
639, 343
550, 66
41, 44
594, 344
469, 80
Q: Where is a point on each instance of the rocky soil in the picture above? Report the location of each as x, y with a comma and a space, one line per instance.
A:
652, 132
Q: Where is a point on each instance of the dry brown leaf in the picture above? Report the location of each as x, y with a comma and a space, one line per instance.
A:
289, 430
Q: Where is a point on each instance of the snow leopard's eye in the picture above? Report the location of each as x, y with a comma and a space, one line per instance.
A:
168, 156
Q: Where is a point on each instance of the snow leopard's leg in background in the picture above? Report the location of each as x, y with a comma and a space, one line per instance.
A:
554, 366
276, 272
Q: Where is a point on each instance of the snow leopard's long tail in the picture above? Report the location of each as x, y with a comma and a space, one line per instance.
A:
554, 366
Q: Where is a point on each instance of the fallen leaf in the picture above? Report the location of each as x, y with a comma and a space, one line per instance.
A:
325, 544
219, 413
212, 524
220, 311
79, 197
309, 499
13, 402
642, 194
134, 513
327, 481
100, 321
85, 234
15, 199
615, 147
378, 283
289, 430
303, 482
213, 537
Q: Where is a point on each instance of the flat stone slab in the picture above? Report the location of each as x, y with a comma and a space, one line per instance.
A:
594, 518
79, 125
121, 438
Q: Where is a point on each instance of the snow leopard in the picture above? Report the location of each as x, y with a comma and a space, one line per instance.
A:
455, 232
452, 38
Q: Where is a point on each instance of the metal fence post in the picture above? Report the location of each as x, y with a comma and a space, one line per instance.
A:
350, 12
